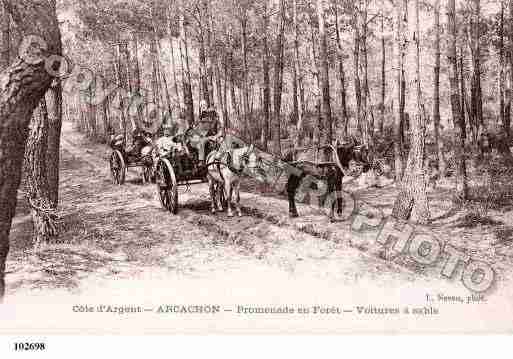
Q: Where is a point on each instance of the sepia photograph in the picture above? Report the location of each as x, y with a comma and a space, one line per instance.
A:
255, 167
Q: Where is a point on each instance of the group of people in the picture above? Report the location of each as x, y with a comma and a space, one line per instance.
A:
201, 136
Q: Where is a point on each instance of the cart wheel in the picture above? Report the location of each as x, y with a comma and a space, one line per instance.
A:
117, 167
166, 186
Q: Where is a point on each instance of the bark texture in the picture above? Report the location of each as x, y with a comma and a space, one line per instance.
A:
22, 85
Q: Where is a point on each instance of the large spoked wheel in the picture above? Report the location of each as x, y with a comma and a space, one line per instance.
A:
117, 167
167, 186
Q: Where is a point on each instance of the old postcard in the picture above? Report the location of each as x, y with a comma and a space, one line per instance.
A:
255, 167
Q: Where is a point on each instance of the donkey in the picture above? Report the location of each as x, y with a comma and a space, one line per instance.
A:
331, 172
224, 173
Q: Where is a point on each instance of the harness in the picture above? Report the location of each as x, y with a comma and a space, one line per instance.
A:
227, 156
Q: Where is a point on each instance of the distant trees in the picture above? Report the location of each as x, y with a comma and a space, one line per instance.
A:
280, 72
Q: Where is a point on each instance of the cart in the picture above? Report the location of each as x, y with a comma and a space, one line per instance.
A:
140, 156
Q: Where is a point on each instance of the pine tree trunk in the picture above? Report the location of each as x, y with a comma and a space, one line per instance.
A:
509, 88
186, 72
278, 76
24, 85
324, 76
368, 123
316, 85
463, 91
299, 80
341, 74
436, 95
173, 64
401, 16
122, 83
209, 52
383, 73
459, 126
504, 108
245, 85
412, 200
476, 96
6, 38
54, 109
356, 58
267, 81
37, 183
203, 67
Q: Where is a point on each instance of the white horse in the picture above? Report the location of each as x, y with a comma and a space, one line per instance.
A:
224, 172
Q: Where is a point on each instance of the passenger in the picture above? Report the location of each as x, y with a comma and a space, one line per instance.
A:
140, 139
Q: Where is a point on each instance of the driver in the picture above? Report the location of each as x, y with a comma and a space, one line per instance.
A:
211, 131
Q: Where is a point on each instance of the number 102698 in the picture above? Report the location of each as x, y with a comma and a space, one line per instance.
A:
29, 346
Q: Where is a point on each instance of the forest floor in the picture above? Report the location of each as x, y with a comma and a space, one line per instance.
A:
111, 232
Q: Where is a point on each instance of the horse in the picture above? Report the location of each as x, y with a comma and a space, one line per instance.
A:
224, 170
331, 172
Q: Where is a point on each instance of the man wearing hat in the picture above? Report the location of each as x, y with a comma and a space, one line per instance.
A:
209, 130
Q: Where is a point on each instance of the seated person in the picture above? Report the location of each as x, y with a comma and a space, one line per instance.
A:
140, 139
208, 130
172, 139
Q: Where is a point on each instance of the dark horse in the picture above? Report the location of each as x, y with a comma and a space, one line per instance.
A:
329, 174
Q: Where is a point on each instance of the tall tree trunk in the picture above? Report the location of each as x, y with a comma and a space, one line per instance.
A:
137, 68
122, 83
324, 76
341, 73
436, 95
383, 73
412, 198
504, 106
172, 48
24, 85
105, 109
299, 80
155, 88
476, 97
245, 85
267, 82
214, 61
463, 90
137, 77
6, 37
509, 88
164, 89
54, 112
37, 183
459, 125
203, 67
209, 51
225, 93
231, 70
368, 119
400, 42
278, 75
356, 58
186, 72
316, 85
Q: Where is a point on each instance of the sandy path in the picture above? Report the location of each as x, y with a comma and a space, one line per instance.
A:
113, 232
